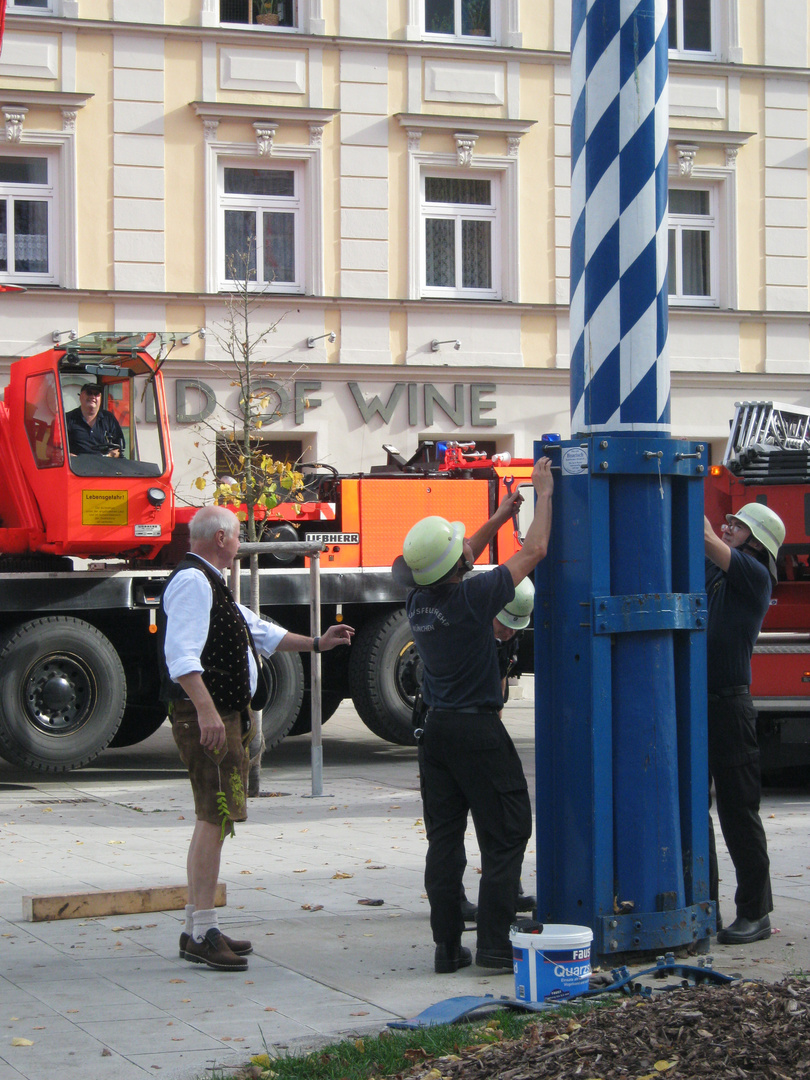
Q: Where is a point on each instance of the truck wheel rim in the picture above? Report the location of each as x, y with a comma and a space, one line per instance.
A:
59, 694
408, 676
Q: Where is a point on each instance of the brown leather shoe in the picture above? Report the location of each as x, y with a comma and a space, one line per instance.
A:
213, 951
241, 948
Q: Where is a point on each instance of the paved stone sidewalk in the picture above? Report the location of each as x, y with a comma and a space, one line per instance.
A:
109, 999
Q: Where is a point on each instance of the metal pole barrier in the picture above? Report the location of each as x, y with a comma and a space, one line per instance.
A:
312, 551
315, 674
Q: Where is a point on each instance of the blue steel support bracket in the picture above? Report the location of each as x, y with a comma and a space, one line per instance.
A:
650, 611
623, 455
656, 930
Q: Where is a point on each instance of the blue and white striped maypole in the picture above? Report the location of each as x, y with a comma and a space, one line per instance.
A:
619, 131
622, 839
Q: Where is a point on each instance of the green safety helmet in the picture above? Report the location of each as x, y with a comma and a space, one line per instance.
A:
518, 611
432, 549
765, 525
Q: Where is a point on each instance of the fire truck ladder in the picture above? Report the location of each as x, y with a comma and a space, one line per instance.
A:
769, 443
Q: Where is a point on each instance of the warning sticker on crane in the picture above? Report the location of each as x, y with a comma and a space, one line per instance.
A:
104, 508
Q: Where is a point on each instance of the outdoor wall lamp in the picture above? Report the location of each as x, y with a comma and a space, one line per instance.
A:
434, 345
187, 339
330, 337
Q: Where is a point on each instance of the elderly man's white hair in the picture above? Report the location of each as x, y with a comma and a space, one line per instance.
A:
208, 521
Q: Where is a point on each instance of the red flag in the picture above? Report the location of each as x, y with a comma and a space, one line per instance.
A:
2, 21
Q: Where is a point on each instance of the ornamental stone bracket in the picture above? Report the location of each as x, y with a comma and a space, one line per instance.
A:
265, 134
316, 131
465, 144
15, 117
687, 152
513, 145
210, 129
414, 140
731, 156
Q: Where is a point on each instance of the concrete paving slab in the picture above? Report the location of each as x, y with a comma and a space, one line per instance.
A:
315, 974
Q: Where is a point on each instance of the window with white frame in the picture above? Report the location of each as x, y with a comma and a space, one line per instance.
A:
693, 246
27, 218
261, 225
467, 19
259, 12
460, 236
26, 7
693, 28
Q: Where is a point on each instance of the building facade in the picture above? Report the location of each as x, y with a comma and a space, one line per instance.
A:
397, 174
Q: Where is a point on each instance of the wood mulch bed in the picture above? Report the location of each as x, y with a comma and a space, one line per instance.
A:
744, 1030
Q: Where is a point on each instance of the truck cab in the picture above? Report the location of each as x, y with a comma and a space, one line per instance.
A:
57, 498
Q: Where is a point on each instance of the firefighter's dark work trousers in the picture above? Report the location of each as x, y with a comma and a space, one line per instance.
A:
734, 767
468, 762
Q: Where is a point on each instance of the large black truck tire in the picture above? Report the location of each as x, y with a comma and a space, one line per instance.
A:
286, 695
62, 694
384, 675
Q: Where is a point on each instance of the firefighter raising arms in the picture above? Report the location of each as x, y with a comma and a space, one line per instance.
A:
467, 761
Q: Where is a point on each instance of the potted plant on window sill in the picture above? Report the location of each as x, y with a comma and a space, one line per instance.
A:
477, 12
268, 14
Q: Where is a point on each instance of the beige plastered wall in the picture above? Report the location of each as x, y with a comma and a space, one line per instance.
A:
94, 156
752, 31
750, 222
184, 203
536, 157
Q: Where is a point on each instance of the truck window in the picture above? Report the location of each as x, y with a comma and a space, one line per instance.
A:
42, 421
130, 403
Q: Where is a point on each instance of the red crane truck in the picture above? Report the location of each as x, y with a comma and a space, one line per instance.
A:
767, 459
87, 542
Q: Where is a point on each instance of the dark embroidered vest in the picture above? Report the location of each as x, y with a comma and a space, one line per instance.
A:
226, 672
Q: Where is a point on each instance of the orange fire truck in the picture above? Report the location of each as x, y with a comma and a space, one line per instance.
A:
88, 540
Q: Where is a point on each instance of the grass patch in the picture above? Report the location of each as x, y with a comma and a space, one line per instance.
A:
395, 1052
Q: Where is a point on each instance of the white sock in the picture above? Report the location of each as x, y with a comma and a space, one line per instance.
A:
189, 922
202, 921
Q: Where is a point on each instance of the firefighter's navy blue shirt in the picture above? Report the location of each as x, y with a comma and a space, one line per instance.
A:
452, 630
103, 436
738, 601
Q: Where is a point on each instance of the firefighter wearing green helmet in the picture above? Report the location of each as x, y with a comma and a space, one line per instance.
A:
740, 572
467, 761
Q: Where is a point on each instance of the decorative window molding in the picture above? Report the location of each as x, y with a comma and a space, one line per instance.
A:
462, 133
58, 148
686, 171
266, 152
465, 125
214, 112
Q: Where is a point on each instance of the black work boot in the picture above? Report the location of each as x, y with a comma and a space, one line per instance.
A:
450, 956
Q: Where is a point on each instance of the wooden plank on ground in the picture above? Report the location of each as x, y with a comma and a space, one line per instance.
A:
92, 905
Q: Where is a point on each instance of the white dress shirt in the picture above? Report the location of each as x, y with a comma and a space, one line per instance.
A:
187, 601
